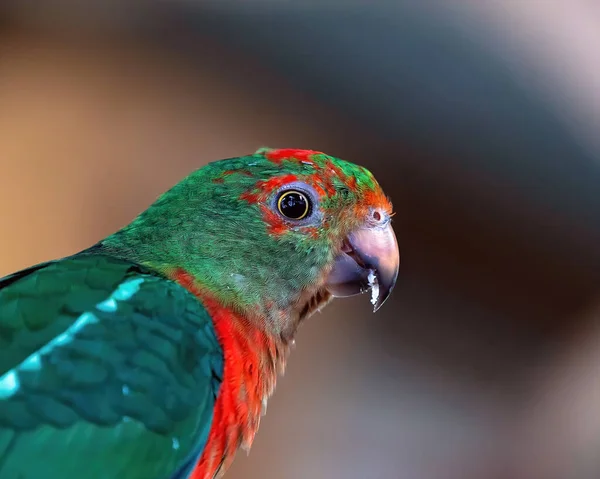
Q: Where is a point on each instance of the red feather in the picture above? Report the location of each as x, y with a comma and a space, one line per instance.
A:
252, 361
277, 156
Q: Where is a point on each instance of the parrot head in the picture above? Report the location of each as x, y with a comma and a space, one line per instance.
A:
274, 235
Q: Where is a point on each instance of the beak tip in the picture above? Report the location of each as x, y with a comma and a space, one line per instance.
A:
383, 297
377, 268
381, 287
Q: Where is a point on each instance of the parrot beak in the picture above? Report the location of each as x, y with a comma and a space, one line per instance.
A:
369, 260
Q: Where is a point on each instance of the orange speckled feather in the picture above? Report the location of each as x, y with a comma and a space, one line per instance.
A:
252, 361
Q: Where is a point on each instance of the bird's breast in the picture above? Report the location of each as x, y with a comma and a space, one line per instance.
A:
252, 362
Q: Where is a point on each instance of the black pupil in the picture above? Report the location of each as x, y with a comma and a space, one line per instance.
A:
293, 205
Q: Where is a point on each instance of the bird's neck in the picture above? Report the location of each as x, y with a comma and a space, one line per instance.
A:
215, 269
253, 359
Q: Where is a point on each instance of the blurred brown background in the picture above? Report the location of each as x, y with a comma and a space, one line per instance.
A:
480, 120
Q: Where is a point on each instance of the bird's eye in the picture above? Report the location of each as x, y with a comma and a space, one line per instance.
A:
293, 205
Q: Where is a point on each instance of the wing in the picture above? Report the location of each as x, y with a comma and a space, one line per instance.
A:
106, 371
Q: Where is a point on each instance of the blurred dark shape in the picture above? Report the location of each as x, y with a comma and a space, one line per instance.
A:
483, 146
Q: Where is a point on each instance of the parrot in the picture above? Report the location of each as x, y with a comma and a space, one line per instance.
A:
152, 353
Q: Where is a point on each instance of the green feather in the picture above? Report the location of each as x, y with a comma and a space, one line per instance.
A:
106, 371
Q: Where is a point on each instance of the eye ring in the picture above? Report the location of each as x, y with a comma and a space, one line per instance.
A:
294, 205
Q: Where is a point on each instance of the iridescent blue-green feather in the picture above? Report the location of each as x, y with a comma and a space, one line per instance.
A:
106, 370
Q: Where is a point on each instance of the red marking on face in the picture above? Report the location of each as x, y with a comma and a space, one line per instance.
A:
321, 184
334, 170
324, 180
277, 156
260, 194
218, 180
330, 187
327, 175
313, 232
250, 196
278, 182
372, 199
275, 223
351, 182
263, 189
377, 199
319, 189
252, 359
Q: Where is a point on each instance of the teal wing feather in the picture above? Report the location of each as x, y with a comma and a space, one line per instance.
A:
106, 371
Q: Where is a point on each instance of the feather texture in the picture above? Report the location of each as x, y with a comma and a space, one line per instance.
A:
107, 371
